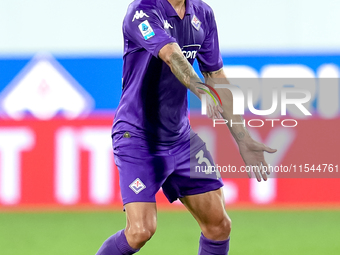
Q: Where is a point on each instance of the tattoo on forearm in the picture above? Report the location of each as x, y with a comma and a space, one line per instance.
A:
240, 135
182, 69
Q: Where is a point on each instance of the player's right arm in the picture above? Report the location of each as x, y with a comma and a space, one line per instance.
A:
144, 27
172, 55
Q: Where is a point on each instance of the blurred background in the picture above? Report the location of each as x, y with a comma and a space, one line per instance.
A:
60, 83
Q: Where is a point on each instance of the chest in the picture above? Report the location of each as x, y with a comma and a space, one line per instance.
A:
188, 32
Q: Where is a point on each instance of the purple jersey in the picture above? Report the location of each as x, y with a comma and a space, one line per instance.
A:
154, 103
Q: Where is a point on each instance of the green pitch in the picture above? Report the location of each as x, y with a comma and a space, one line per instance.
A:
254, 232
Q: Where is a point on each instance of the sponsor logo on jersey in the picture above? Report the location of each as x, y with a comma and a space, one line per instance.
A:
196, 23
167, 25
146, 30
190, 51
191, 54
137, 186
139, 15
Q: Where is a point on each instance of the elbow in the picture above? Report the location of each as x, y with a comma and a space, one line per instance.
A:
167, 59
169, 53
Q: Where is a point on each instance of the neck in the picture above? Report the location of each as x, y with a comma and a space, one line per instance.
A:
177, 3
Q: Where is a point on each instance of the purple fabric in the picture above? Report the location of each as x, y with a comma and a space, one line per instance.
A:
210, 247
116, 245
142, 173
154, 104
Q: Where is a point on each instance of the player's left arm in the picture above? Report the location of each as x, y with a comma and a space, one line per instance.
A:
252, 152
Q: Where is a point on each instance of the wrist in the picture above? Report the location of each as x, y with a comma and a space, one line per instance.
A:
244, 140
196, 89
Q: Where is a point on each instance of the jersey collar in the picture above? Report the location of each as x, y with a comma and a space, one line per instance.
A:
170, 11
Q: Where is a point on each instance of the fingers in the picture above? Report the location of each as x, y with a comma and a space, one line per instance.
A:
269, 150
200, 91
248, 173
256, 171
210, 112
217, 114
266, 167
213, 111
220, 109
262, 172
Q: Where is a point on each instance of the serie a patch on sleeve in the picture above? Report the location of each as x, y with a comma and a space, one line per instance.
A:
146, 30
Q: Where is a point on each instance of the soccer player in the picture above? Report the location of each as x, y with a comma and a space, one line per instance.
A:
154, 146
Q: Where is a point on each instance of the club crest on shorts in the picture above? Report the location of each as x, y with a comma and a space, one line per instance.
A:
137, 186
196, 23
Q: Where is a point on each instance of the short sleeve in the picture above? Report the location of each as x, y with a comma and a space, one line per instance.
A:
209, 56
146, 29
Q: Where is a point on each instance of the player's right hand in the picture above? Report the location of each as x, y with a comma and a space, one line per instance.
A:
213, 111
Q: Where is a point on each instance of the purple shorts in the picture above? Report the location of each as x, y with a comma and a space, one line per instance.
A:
143, 171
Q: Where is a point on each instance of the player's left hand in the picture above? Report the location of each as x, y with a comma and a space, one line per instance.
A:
252, 153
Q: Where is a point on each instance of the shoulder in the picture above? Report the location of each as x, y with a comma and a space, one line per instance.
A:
139, 10
144, 3
203, 9
147, 6
201, 6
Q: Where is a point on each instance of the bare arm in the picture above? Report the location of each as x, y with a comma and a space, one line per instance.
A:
172, 55
239, 132
250, 150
